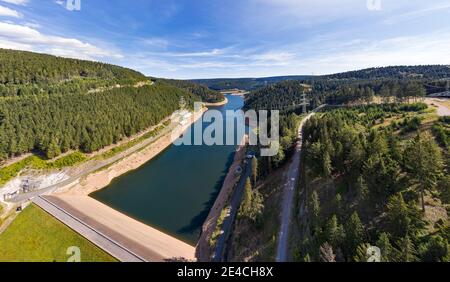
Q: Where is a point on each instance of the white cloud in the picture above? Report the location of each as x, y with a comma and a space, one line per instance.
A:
422, 49
16, 2
27, 38
7, 12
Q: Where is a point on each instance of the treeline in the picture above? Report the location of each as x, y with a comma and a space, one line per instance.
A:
281, 96
26, 73
396, 72
53, 124
207, 95
246, 83
287, 96
289, 123
436, 73
371, 189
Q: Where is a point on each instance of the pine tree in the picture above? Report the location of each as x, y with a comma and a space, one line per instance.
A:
326, 164
407, 252
423, 159
252, 203
334, 232
314, 209
398, 216
436, 250
385, 247
361, 253
53, 149
354, 234
362, 191
247, 199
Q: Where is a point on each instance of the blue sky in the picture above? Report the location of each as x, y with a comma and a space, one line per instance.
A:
230, 38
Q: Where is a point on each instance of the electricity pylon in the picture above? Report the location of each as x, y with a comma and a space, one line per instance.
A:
304, 103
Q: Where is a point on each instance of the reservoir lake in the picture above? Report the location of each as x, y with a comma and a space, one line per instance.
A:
175, 191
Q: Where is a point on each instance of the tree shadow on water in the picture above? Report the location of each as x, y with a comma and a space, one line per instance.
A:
198, 220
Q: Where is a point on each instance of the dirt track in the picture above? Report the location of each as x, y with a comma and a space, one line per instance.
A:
440, 104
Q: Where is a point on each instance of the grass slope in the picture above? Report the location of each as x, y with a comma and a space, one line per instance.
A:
35, 236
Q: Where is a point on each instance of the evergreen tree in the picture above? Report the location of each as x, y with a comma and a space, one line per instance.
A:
247, 199
252, 203
314, 209
407, 251
436, 250
423, 159
385, 247
334, 232
361, 253
398, 216
53, 149
354, 234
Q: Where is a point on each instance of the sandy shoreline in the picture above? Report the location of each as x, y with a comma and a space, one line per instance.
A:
103, 178
218, 104
203, 249
143, 239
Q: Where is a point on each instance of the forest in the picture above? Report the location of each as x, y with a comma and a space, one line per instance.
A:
50, 105
207, 95
372, 180
436, 74
246, 83
54, 124
25, 73
396, 72
286, 96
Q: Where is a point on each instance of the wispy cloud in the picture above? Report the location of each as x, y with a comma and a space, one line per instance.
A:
7, 12
24, 37
16, 2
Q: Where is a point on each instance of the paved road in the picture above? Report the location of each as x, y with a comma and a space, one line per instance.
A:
288, 194
234, 207
73, 179
101, 240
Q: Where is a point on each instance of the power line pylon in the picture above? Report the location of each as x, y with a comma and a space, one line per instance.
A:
304, 103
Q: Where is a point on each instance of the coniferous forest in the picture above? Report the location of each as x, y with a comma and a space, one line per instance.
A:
51, 105
368, 182
207, 95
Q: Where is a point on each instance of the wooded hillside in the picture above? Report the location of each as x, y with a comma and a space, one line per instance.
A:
47, 105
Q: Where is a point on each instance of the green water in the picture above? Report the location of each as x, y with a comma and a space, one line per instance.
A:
175, 190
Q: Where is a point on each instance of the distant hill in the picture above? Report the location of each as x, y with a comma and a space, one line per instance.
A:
207, 94
396, 72
428, 72
403, 82
246, 83
51, 105
277, 96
